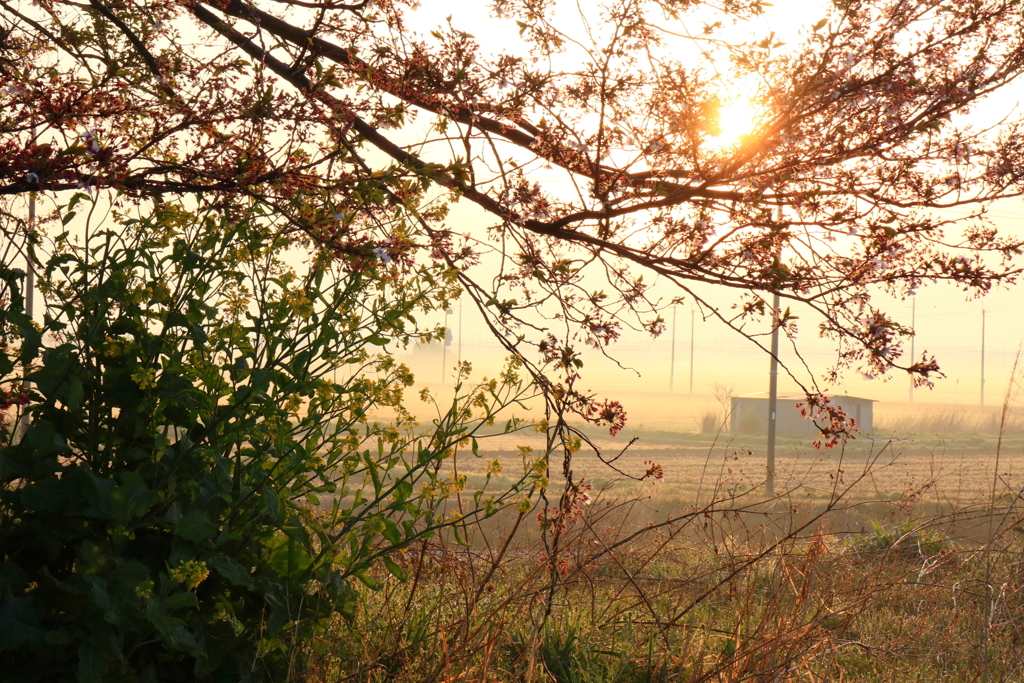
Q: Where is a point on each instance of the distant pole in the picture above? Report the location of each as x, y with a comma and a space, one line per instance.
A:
460, 331
691, 348
447, 342
983, 354
773, 397
672, 362
913, 356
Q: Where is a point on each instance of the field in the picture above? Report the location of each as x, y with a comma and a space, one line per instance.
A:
892, 558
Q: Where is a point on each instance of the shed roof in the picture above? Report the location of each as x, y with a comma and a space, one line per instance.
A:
803, 397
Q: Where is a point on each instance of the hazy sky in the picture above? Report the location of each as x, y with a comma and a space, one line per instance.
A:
949, 325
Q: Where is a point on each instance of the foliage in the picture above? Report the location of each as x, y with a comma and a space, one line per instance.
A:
859, 137
906, 538
201, 482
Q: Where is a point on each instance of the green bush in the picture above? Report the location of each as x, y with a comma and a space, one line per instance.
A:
197, 491
906, 539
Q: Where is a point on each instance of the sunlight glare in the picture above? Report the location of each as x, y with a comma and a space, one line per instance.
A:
735, 119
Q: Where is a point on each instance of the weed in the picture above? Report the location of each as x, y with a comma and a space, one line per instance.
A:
907, 538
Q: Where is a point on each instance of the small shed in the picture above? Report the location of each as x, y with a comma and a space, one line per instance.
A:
750, 413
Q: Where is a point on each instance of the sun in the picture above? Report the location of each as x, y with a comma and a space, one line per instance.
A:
735, 119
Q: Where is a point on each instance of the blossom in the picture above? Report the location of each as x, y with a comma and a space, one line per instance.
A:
655, 146
382, 254
654, 471
191, 573
16, 396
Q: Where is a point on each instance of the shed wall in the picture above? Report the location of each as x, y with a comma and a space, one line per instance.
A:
750, 415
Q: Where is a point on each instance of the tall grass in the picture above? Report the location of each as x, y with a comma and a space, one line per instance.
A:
689, 603
951, 421
726, 587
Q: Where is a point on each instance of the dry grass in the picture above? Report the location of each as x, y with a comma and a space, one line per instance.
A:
691, 602
895, 559
869, 566
948, 420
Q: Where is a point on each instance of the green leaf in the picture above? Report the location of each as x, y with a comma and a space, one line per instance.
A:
287, 557
48, 495
271, 503
391, 532
19, 622
459, 539
78, 196
369, 582
230, 570
132, 499
130, 573
43, 437
74, 394
12, 578
393, 567
195, 526
93, 663
403, 491
181, 600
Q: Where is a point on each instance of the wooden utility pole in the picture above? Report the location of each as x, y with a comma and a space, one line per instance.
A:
913, 324
30, 291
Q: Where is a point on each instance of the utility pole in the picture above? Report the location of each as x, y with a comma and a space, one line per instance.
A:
773, 376
30, 278
460, 332
691, 349
30, 290
672, 362
773, 396
913, 324
982, 354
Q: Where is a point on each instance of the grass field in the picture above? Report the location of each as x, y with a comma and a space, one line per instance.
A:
894, 557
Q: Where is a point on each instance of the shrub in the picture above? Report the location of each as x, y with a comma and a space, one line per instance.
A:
196, 492
710, 421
